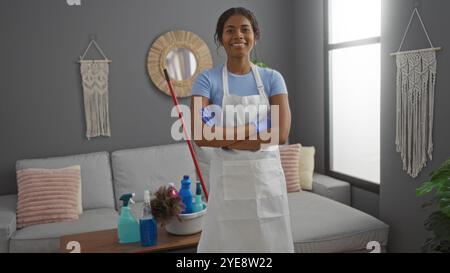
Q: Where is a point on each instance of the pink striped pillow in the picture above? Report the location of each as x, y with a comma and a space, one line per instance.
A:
290, 158
47, 195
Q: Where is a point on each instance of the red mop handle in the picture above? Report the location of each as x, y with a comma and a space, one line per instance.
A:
188, 139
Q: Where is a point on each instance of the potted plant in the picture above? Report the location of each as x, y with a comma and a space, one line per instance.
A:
257, 61
438, 222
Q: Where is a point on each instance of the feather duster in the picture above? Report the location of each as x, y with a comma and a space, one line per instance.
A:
166, 205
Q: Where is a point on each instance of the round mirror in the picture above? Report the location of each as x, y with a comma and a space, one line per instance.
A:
180, 63
184, 55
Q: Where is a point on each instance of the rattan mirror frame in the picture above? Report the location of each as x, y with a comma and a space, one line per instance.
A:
156, 59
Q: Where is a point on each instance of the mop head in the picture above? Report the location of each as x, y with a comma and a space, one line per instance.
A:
166, 205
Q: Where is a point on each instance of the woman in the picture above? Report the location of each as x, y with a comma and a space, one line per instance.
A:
247, 206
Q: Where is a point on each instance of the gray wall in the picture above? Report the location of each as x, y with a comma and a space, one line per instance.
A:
396, 204
309, 113
41, 102
399, 206
365, 201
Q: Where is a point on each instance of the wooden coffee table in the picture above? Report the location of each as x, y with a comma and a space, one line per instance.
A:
106, 241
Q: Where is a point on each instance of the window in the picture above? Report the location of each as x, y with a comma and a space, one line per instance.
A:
352, 45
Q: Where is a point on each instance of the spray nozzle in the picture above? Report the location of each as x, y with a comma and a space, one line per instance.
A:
198, 189
146, 196
126, 198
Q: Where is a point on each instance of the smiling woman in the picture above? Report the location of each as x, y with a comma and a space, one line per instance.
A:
247, 208
237, 35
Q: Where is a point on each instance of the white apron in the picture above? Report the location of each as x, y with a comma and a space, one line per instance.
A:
247, 208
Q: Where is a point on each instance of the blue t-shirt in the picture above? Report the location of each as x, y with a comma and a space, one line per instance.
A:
209, 84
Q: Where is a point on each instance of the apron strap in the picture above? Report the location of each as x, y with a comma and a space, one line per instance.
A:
259, 83
225, 81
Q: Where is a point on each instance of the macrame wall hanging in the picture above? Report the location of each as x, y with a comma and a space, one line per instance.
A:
94, 76
416, 77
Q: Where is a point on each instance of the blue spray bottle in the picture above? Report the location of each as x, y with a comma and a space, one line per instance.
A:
147, 223
186, 194
127, 225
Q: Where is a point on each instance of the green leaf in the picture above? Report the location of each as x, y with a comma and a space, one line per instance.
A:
445, 246
259, 63
425, 188
442, 194
444, 206
428, 203
441, 177
443, 170
442, 187
438, 222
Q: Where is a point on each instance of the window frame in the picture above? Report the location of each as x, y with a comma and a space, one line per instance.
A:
327, 47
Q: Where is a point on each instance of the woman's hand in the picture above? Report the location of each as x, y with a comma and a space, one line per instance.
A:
197, 104
284, 126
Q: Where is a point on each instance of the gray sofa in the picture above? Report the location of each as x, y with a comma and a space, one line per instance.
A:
322, 220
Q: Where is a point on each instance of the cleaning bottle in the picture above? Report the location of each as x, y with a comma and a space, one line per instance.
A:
198, 205
147, 224
186, 194
127, 225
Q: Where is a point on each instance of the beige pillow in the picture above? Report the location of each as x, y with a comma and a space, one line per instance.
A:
48, 195
290, 160
306, 167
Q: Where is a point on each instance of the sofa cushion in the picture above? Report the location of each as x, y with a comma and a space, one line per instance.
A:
45, 237
136, 170
320, 224
97, 188
332, 188
306, 167
48, 195
7, 220
290, 158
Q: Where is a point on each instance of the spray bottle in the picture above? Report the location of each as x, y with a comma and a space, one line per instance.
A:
198, 205
127, 225
147, 224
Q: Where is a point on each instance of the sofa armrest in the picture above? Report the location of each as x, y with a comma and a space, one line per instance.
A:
8, 205
332, 188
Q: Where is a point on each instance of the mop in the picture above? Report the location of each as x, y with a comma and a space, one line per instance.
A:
188, 140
